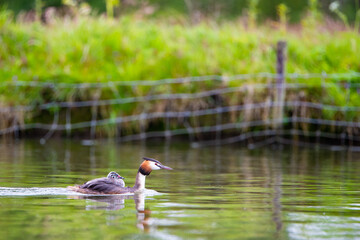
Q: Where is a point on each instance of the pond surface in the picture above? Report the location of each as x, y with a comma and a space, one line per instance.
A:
226, 192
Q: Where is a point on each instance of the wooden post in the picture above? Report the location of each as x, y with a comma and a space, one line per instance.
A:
280, 84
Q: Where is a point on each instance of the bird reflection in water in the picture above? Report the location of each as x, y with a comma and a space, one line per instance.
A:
117, 202
142, 214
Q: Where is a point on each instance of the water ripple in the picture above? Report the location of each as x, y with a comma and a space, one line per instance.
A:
54, 191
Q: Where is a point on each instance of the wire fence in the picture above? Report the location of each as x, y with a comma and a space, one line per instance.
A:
256, 109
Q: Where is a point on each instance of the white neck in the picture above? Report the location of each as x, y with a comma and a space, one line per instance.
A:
140, 181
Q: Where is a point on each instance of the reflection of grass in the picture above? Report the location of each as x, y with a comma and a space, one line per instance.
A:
100, 50
63, 218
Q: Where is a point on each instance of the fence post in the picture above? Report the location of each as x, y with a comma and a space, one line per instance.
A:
280, 84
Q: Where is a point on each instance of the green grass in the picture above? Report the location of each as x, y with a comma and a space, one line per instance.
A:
95, 49
98, 49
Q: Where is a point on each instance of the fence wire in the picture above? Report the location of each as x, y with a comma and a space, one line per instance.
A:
208, 110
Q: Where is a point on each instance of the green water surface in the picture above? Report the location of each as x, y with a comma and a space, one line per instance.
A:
226, 192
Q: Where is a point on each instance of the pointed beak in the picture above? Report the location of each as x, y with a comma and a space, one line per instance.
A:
164, 167
122, 177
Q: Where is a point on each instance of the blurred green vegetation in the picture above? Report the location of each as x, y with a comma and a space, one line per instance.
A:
83, 47
210, 8
99, 49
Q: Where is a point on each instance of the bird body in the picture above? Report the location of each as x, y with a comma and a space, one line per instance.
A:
109, 186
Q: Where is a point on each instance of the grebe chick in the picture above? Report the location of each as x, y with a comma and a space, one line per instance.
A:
145, 169
116, 178
100, 185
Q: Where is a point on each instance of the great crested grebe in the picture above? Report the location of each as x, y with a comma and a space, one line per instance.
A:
145, 169
100, 184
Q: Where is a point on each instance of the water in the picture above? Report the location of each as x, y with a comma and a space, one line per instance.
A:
227, 192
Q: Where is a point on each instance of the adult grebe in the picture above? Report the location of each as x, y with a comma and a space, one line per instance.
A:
145, 169
100, 185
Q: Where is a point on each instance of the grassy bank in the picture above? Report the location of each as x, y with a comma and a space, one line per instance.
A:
97, 50
130, 49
